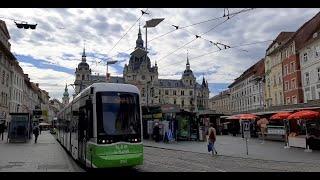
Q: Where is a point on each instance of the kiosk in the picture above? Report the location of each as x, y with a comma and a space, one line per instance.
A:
20, 127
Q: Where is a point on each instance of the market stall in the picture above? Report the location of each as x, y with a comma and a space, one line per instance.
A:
207, 117
301, 137
244, 118
280, 126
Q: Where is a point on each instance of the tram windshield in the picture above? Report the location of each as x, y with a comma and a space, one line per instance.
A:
118, 113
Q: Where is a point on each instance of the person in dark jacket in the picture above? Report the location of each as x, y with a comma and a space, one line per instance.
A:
156, 132
36, 133
2, 127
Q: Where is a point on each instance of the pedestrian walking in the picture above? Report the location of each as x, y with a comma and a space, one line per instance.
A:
262, 123
2, 127
212, 139
36, 133
156, 132
40, 128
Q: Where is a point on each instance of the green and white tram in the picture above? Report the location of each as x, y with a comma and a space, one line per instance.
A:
102, 126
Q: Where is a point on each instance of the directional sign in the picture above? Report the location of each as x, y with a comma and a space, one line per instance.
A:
246, 129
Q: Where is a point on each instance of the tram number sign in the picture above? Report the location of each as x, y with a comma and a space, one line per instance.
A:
246, 129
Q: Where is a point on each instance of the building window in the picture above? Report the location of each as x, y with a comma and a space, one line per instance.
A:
288, 100
174, 101
279, 76
318, 70
286, 87
294, 100
166, 92
182, 92
143, 77
306, 78
174, 92
305, 57
293, 83
159, 91
292, 66
191, 93
3, 75
182, 103
7, 80
317, 51
82, 77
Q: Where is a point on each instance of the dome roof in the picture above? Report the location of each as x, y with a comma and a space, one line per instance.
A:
83, 65
66, 94
187, 72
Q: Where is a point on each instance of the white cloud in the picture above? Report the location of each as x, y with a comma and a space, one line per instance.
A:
50, 80
102, 28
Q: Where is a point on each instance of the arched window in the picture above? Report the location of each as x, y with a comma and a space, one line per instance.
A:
82, 77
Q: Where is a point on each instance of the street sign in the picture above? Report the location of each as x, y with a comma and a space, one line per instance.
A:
246, 129
246, 132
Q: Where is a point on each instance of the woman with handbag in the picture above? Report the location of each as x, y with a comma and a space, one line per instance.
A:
212, 140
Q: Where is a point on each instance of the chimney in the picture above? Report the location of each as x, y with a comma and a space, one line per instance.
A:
37, 84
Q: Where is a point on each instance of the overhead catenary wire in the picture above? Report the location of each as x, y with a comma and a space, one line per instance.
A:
201, 22
198, 36
143, 12
232, 47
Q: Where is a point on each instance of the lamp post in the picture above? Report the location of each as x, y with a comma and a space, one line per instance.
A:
109, 62
151, 23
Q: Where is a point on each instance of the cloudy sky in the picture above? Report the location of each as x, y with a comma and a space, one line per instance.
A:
51, 53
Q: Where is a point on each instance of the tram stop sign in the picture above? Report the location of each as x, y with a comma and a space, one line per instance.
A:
246, 129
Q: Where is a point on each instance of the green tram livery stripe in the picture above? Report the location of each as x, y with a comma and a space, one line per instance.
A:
115, 155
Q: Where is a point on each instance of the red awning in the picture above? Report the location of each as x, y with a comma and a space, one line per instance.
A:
280, 116
304, 114
244, 116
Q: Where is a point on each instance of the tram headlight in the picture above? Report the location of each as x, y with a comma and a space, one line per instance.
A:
136, 140
103, 141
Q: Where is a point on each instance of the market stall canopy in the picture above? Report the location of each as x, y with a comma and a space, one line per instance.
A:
305, 114
262, 121
44, 124
280, 115
244, 116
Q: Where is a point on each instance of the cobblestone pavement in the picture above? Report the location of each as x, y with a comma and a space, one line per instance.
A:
235, 146
45, 156
164, 160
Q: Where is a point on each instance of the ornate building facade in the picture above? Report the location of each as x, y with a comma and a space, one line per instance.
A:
185, 92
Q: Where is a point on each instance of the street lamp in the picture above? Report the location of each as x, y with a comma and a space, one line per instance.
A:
151, 23
109, 62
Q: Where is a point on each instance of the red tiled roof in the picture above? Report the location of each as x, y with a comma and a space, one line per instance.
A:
257, 69
281, 38
306, 31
